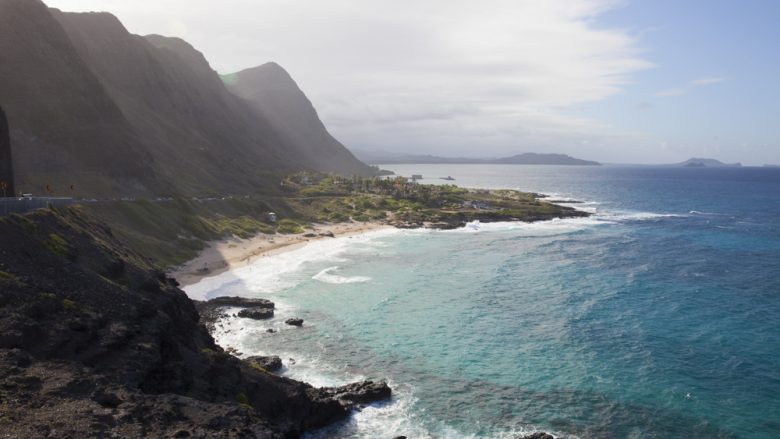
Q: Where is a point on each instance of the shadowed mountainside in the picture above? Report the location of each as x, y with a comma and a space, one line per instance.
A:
6, 170
119, 114
275, 95
65, 128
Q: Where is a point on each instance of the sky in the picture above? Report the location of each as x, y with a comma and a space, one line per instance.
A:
619, 81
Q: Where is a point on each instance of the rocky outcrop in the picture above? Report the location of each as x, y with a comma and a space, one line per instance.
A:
537, 435
6, 163
295, 321
256, 313
243, 302
94, 342
269, 363
214, 309
358, 394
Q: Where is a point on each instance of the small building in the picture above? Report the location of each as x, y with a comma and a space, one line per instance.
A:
271, 217
416, 177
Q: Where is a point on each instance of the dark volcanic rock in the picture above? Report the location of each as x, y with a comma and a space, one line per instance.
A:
327, 234
84, 356
244, 302
295, 321
359, 394
271, 363
256, 313
537, 435
213, 310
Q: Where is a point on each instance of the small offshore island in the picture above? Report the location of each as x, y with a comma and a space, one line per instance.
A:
107, 344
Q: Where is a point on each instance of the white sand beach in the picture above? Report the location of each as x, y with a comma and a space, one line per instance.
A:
234, 252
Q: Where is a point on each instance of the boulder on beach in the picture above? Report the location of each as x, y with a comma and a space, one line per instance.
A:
295, 321
328, 234
256, 313
270, 363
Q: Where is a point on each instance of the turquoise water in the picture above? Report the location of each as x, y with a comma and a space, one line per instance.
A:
658, 317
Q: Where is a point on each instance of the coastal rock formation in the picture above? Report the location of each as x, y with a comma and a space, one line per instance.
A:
256, 313
359, 394
271, 363
244, 302
93, 342
295, 321
6, 163
214, 309
537, 435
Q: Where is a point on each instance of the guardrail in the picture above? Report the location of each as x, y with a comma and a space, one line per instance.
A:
25, 204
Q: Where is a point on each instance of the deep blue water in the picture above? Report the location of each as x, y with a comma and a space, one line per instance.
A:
657, 317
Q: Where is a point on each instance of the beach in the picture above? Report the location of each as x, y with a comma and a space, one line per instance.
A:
233, 252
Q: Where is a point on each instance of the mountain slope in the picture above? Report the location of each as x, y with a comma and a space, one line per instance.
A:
65, 128
200, 134
278, 99
118, 114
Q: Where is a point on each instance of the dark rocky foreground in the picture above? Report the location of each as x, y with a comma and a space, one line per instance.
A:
95, 343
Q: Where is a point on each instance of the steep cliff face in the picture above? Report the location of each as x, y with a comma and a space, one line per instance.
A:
278, 99
6, 164
115, 113
199, 133
65, 127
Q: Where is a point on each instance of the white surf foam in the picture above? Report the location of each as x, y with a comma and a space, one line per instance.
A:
271, 274
328, 277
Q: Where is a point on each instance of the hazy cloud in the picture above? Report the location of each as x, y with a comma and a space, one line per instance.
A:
707, 81
490, 77
671, 92
695, 83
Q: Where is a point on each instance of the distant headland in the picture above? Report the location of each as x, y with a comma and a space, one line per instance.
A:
528, 158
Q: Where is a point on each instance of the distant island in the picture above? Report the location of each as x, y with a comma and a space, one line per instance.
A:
706, 163
529, 158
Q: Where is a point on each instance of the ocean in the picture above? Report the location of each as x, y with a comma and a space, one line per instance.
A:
656, 317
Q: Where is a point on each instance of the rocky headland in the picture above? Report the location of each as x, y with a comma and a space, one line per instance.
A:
94, 342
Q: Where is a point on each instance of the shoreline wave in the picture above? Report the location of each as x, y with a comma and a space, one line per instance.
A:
291, 268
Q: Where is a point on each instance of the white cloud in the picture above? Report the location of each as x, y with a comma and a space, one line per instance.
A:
707, 81
499, 75
671, 92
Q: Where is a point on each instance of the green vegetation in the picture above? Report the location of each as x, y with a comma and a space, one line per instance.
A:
57, 244
243, 400
68, 305
401, 202
258, 368
8, 279
171, 231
